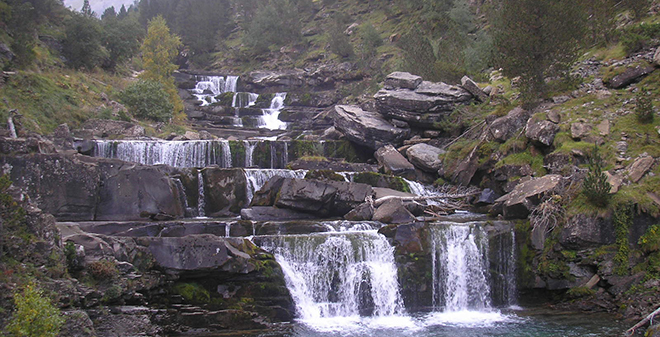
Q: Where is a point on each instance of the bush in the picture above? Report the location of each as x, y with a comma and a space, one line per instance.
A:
103, 270
34, 315
595, 186
650, 241
644, 107
339, 42
147, 99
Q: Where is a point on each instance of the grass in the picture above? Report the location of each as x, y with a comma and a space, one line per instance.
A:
524, 158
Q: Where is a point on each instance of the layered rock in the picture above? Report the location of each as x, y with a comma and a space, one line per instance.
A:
506, 127
393, 162
425, 157
366, 128
519, 203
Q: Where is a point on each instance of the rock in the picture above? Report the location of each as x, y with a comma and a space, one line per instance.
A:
283, 79
558, 163
561, 99
582, 231
106, 128
554, 116
604, 128
621, 284
393, 212
62, 137
267, 195
31, 144
472, 87
638, 169
629, 76
366, 128
580, 130
656, 57
654, 330
363, 212
615, 181
541, 131
397, 80
621, 147
77, 324
224, 190
264, 213
393, 162
348, 196
306, 196
487, 197
426, 105
411, 238
425, 157
508, 126
520, 202
463, 173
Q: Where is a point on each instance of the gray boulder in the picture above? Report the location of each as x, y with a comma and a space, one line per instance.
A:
508, 126
393, 162
403, 80
311, 196
393, 212
362, 212
519, 203
472, 87
425, 157
287, 78
629, 76
224, 190
580, 130
639, 167
366, 128
656, 57
582, 231
541, 131
265, 213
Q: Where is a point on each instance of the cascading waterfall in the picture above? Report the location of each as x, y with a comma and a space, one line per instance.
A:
244, 99
249, 151
257, 178
173, 153
226, 154
460, 266
208, 87
270, 120
339, 274
201, 199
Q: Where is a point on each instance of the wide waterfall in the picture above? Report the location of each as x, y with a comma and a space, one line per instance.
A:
339, 274
194, 153
208, 87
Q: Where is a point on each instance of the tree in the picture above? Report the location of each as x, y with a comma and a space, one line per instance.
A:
148, 99
121, 39
535, 39
158, 51
595, 186
122, 13
201, 22
34, 315
109, 14
275, 23
87, 9
83, 46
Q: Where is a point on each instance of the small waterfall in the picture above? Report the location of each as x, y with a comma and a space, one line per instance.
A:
273, 154
244, 99
503, 268
270, 120
257, 178
339, 275
460, 266
228, 230
249, 151
226, 154
208, 87
182, 195
285, 154
201, 200
173, 153
11, 126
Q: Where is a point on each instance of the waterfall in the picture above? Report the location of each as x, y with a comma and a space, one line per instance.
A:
244, 99
174, 153
226, 154
270, 120
339, 275
503, 268
273, 154
201, 201
285, 154
228, 230
208, 87
460, 265
257, 178
249, 151
11, 126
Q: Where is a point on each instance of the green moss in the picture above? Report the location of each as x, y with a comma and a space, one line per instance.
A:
526, 254
324, 175
381, 180
650, 241
622, 220
237, 149
638, 194
305, 148
524, 158
579, 292
341, 149
192, 292
569, 255
225, 99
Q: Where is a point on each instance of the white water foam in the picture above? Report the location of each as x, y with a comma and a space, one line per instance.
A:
270, 118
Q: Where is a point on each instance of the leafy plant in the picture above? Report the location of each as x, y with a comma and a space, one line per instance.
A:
595, 186
103, 269
147, 99
35, 315
650, 241
622, 219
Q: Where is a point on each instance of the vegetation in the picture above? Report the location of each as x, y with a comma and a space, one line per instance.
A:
595, 186
35, 315
149, 100
644, 106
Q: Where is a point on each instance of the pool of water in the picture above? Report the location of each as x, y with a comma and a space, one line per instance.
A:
510, 322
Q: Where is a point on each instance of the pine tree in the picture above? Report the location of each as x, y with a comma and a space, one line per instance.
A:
122, 12
87, 9
158, 51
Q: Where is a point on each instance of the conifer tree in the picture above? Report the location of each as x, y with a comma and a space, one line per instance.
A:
87, 9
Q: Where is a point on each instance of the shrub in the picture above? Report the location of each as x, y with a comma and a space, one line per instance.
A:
622, 220
147, 99
595, 186
644, 107
103, 269
339, 42
650, 241
34, 315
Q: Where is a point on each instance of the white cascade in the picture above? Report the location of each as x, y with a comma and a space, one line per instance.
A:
345, 274
249, 151
173, 153
216, 85
201, 199
257, 178
460, 266
270, 118
226, 154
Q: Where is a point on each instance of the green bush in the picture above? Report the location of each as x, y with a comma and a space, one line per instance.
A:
595, 186
34, 315
103, 269
650, 241
147, 99
644, 107
340, 44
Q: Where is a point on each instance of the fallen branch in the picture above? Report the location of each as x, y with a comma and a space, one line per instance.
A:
438, 197
641, 323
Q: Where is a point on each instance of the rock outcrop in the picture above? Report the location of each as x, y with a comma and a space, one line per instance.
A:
425, 157
393, 162
366, 128
519, 203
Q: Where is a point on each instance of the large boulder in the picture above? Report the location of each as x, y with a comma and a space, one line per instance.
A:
472, 87
287, 78
225, 190
508, 126
519, 203
426, 157
366, 128
639, 167
629, 76
393, 162
393, 211
541, 131
428, 104
322, 198
582, 232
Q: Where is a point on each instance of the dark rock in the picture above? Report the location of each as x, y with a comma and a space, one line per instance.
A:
393, 162
393, 212
107, 127
487, 197
621, 284
62, 137
582, 231
225, 190
426, 157
31, 144
286, 79
348, 196
306, 196
504, 128
541, 131
472, 87
362, 212
465, 170
629, 76
333, 165
264, 213
366, 128
403, 80
558, 163
411, 238
77, 324
267, 195
520, 202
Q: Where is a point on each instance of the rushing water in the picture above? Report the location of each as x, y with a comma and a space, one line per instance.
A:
270, 119
257, 178
208, 87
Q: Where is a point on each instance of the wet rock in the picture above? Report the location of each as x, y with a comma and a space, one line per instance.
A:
393, 212
487, 197
519, 203
348, 196
508, 126
580, 130
425, 156
629, 76
267, 195
306, 196
541, 131
224, 190
404, 80
411, 238
582, 231
265, 213
638, 169
393, 162
621, 284
472, 87
118, 324
106, 128
362, 212
366, 128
